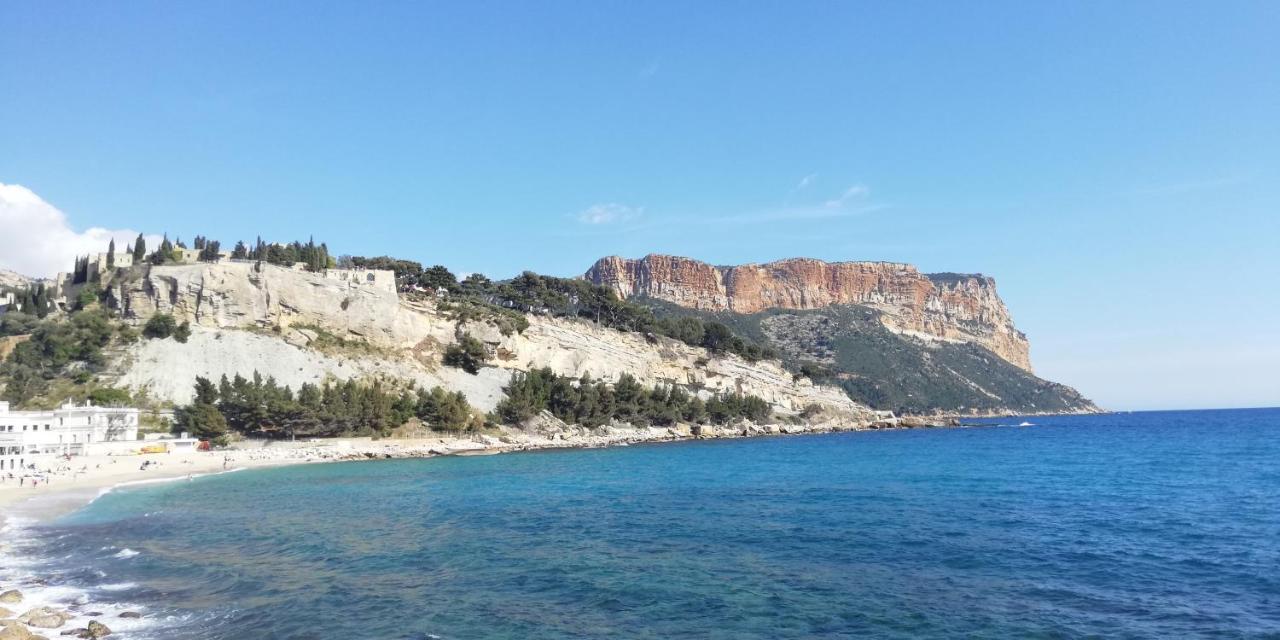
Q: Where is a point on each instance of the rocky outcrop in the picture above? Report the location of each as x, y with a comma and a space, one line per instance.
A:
947, 306
248, 317
11, 279
256, 294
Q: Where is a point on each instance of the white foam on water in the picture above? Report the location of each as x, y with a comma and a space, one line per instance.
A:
126, 553
24, 569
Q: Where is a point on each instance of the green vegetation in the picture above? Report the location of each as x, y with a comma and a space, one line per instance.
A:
33, 300
108, 397
592, 403
468, 354
466, 309
262, 407
848, 346
409, 274
160, 326
67, 348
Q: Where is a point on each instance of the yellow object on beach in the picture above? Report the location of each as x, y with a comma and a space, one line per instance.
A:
156, 448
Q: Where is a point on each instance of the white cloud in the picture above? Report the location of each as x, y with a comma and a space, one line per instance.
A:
608, 213
37, 240
806, 181
854, 192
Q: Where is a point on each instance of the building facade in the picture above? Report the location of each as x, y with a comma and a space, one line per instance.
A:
28, 437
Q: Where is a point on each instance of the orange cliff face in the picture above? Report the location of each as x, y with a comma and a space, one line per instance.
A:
956, 307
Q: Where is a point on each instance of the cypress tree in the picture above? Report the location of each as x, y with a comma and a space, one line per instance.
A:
139, 250
41, 302
111, 254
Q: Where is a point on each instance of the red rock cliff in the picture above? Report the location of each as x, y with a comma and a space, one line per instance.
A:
958, 307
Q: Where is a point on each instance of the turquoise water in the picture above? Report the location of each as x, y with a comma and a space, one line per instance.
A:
1138, 525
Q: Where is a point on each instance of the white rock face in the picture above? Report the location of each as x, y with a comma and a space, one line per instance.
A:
245, 294
167, 369
223, 300
574, 348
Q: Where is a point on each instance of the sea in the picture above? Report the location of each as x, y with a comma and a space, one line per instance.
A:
1127, 525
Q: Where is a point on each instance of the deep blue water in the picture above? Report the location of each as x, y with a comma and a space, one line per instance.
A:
1138, 525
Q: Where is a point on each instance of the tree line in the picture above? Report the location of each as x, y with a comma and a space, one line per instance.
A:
593, 403
260, 406
33, 300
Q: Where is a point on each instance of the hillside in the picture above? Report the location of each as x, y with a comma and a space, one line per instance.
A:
297, 327
891, 337
11, 279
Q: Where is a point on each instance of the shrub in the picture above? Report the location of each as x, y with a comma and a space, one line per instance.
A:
106, 397
468, 354
161, 325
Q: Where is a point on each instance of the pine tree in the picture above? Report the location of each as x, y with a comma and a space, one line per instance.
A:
241, 252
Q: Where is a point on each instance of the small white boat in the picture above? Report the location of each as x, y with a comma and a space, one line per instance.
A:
1025, 424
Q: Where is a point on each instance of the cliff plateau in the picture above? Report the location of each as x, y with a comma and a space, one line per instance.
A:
949, 307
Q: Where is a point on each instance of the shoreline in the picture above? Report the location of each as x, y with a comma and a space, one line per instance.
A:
50, 501
92, 477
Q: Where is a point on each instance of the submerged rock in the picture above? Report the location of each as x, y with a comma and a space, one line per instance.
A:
130, 614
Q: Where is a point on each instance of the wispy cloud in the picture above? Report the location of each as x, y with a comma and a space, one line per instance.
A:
854, 192
609, 213
806, 182
650, 70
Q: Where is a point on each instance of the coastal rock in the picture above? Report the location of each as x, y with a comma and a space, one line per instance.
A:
946, 306
13, 630
44, 618
130, 614
96, 630
5, 613
12, 596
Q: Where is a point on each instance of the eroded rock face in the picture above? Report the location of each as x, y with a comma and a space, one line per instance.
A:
247, 294
958, 307
222, 300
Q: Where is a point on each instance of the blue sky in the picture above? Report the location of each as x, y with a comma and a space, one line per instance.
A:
1116, 166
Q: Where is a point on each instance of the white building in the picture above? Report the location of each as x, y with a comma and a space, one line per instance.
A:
27, 437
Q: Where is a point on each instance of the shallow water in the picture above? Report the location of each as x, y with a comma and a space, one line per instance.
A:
1137, 525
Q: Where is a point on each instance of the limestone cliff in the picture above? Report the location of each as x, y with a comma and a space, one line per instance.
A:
950, 307
250, 316
11, 279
